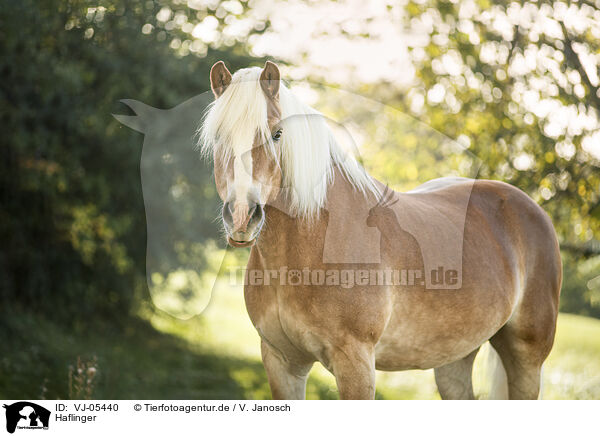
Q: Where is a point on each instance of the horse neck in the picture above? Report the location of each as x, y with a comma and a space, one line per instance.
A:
288, 238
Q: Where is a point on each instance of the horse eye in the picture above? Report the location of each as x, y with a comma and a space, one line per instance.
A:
277, 135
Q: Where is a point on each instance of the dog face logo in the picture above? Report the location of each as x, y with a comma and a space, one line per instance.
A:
26, 415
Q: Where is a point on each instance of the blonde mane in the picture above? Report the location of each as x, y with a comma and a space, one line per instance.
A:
308, 152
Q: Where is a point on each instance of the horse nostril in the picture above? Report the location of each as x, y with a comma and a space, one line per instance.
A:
255, 212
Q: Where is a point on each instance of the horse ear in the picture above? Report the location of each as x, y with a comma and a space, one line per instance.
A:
269, 79
141, 119
220, 78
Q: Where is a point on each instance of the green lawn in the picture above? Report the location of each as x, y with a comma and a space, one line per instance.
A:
132, 361
216, 355
572, 370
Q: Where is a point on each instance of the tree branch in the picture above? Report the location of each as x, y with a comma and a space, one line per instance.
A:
571, 55
586, 250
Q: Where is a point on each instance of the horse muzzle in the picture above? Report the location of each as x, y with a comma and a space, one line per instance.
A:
243, 224
240, 244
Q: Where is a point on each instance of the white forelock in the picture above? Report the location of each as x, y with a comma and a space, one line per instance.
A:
308, 150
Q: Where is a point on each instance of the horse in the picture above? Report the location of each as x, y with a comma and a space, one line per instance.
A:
314, 217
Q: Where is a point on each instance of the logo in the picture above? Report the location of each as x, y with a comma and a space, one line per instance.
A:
26, 415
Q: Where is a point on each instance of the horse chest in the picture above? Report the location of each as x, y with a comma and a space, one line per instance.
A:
279, 325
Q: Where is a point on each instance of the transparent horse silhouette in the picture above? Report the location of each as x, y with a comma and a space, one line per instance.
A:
180, 204
183, 261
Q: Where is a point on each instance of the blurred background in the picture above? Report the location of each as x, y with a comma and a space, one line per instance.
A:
515, 84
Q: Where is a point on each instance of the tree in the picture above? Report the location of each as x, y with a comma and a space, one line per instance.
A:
517, 84
520, 81
72, 219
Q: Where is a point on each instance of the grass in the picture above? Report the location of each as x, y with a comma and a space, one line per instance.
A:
572, 371
131, 362
217, 356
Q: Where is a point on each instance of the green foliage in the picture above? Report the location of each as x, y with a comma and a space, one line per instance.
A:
72, 218
72, 223
519, 95
581, 285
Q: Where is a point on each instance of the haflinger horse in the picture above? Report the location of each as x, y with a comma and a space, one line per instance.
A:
283, 182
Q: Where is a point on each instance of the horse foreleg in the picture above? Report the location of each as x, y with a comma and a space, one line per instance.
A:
287, 380
354, 371
454, 380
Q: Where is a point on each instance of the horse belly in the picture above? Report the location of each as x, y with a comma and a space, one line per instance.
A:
394, 356
439, 328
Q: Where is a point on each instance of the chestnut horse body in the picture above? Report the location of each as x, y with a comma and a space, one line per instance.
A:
506, 290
